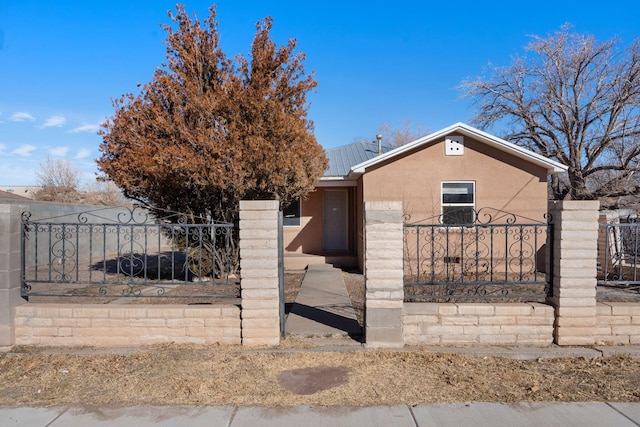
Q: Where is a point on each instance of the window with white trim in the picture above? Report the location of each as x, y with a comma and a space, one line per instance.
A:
458, 202
291, 214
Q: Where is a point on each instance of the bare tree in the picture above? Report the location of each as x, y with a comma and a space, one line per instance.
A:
104, 193
58, 181
573, 99
406, 133
396, 137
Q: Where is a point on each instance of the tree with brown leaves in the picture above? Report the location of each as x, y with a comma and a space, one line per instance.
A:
574, 99
208, 131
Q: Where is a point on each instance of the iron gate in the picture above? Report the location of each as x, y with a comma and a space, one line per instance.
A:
618, 258
498, 256
127, 253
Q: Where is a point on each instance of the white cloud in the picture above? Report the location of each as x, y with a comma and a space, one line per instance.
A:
54, 121
82, 153
24, 150
86, 128
21, 117
59, 151
2, 148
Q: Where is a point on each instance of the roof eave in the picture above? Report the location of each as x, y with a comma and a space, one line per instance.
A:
551, 166
336, 181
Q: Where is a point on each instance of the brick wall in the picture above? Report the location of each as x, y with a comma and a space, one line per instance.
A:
617, 323
10, 229
103, 325
383, 274
478, 324
259, 272
574, 270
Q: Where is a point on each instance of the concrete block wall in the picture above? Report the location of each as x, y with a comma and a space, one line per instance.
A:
575, 252
617, 323
528, 324
86, 243
10, 229
259, 272
383, 274
103, 325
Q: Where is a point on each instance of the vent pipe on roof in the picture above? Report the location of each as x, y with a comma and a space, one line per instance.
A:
379, 138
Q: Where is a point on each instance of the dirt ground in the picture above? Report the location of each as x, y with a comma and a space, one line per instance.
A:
296, 374
190, 375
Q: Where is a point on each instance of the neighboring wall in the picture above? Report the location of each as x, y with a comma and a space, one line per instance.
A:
92, 240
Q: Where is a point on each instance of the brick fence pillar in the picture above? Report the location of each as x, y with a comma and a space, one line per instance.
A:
10, 229
259, 272
575, 252
383, 274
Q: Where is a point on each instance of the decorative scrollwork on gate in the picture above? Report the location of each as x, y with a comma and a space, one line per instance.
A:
481, 260
126, 252
63, 252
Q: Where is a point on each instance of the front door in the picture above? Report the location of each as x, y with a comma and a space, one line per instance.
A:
335, 220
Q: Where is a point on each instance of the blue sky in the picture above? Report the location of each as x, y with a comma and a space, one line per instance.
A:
61, 62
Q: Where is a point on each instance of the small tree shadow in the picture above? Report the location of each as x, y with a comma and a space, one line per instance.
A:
167, 265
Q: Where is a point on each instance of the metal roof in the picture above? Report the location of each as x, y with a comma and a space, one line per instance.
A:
342, 159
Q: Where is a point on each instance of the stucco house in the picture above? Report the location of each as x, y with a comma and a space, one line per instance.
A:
443, 177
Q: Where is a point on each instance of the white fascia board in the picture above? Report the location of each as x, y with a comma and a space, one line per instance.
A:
552, 166
336, 181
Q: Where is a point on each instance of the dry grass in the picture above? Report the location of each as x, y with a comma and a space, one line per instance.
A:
194, 375
179, 375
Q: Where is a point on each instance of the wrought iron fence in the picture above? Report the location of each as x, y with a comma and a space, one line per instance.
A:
127, 253
618, 259
496, 257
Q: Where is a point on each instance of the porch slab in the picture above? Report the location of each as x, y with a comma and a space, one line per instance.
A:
294, 261
322, 307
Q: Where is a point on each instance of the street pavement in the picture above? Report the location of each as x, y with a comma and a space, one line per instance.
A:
475, 414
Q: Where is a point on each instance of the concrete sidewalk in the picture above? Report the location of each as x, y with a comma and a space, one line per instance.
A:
322, 307
443, 415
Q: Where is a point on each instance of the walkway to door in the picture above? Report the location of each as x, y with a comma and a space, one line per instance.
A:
322, 307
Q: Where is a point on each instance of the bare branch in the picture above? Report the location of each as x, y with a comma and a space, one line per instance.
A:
573, 99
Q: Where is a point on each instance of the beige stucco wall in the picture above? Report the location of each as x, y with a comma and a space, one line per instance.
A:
503, 181
307, 237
